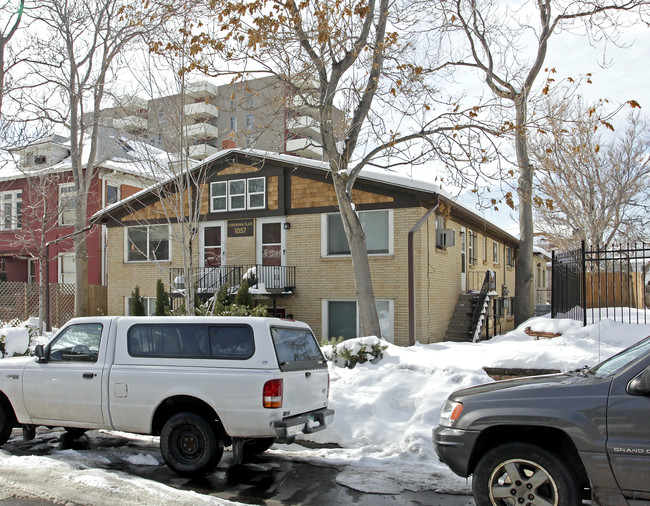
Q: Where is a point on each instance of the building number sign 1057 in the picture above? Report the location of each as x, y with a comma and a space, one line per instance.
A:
240, 228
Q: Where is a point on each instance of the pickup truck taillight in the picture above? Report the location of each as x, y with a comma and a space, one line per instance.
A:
272, 394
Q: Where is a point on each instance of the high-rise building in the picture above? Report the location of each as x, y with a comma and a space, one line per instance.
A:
264, 113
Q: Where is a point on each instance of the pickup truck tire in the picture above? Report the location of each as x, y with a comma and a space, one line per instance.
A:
190, 445
526, 474
7, 422
254, 447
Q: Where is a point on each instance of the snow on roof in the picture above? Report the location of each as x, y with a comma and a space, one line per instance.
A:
115, 152
387, 177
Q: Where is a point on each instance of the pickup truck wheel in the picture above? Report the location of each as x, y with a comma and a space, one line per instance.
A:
520, 473
190, 445
6, 424
254, 447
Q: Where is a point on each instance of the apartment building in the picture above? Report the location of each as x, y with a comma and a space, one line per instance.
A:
264, 113
273, 219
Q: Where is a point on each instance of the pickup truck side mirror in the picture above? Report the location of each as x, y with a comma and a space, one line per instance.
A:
640, 384
40, 354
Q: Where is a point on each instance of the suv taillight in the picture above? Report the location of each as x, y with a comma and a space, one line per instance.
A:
272, 394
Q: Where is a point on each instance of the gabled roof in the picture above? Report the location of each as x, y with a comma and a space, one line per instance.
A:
426, 191
115, 152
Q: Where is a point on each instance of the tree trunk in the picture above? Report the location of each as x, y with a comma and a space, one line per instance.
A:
81, 260
524, 285
368, 319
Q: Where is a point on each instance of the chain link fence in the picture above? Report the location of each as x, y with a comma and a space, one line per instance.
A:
19, 301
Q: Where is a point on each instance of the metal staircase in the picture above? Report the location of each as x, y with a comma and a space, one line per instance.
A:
470, 313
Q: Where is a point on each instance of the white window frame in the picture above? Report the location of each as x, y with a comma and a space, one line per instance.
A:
61, 256
233, 124
324, 235
228, 197
485, 249
15, 198
495, 252
64, 207
391, 317
117, 193
148, 253
149, 306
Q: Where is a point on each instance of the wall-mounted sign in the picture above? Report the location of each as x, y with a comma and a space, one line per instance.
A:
240, 228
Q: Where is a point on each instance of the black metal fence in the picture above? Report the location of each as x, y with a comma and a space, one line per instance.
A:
592, 284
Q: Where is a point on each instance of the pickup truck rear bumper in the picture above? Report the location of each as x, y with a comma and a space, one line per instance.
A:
307, 423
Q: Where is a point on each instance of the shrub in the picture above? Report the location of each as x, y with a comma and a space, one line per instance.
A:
162, 299
353, 351
137, 303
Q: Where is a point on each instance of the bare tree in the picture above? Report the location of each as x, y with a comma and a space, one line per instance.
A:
11, 16
76, 52
365, 60
591, 186
507, 46
40, 214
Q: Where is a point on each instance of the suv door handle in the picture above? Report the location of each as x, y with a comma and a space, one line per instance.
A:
89, 375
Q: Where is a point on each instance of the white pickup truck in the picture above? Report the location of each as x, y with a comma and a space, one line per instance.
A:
200, 383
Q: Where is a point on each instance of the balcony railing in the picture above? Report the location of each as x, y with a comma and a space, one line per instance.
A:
262, 279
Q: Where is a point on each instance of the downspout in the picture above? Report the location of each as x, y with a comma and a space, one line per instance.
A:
411, 274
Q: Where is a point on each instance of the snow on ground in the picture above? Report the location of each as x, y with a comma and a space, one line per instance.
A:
384, 417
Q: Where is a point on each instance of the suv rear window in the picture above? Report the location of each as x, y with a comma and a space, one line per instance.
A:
297, 349
233, 342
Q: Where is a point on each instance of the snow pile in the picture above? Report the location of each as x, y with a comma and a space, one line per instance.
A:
15, 339
385, 412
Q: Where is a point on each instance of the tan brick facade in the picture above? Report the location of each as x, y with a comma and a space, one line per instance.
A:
320, 278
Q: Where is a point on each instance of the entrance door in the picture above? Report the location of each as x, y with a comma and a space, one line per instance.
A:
212, 243
463, 259
271, 252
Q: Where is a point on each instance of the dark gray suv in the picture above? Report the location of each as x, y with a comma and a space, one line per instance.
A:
555, 440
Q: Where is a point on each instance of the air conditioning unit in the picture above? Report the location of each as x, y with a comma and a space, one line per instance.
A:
445, 238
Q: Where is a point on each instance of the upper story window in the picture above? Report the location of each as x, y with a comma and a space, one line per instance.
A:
11, 211
495, 252
377, 225
233, 123
510, 256
40, 160
485, 249
112, 194
66, 204
147, 243
238, 194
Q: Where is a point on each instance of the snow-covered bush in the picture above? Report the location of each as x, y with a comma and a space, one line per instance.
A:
16, 337
353, 351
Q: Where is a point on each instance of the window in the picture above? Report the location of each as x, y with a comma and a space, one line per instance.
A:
147, 243
377, 225
77, 343
149, 306
67, 268
471, 247
233, 123
229, 342
238, 194
12, 210
297, 349
510, 256
66, 204
485, 249
249, 122
341, 318
112, 194
495, 252
40, 160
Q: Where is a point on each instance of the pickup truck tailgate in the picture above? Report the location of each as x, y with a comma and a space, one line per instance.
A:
304, 370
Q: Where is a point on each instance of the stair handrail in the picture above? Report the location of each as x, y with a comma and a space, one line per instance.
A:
480, 304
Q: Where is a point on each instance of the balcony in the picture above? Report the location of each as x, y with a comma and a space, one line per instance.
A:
201, 151
262, 279
304, 125
201, 110
201, 131
201, 89
305, 147
130, 123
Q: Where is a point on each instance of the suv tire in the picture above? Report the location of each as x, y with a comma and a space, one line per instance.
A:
526, 474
